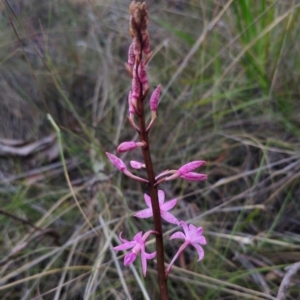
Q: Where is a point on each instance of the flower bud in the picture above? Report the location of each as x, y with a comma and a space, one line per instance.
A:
131, 56
154, 98
137, 165
131, 104
192, 176
127, 146
146, 43
142, 73
190, 166
136, 45
135, 86
117, 162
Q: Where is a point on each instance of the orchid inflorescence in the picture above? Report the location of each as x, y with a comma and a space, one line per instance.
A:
138, 57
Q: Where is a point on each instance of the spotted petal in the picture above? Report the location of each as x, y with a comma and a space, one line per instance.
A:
168, 217
143, 214
148, 200
177, 235
199, 250
161, 197
168, 205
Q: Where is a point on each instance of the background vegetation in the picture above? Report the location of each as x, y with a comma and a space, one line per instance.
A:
230, 73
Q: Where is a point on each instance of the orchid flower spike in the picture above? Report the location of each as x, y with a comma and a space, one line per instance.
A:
185, 171
119, 164
127, 146
137, 245
192, 236
164, 207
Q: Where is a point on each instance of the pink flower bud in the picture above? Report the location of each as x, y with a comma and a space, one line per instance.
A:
137, 165
135, 87
127, 146
142, 73
136, 45
131, 56
146, 44
190, 166
192, 176
131, 103
154, 98
117, 162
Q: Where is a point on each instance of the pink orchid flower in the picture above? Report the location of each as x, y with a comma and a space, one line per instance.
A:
137, 245
164, 207
192, 236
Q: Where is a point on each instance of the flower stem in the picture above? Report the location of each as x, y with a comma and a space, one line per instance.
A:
143, 134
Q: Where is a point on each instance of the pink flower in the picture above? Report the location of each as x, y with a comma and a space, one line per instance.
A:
192, 236
185, 171
154, 98
127, 146
164, 207
137, 245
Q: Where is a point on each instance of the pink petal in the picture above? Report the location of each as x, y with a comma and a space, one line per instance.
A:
200, 240
185, 229
144, 214
146, 234
117, 162
125, 246
121, 239
190, 166
154, 98
199, 250
168, 205
168, 217
192, 176
150, 255
177, 235
144, 263
138, 236
161, 197
129, 258
148, 200
199, 230
193, 228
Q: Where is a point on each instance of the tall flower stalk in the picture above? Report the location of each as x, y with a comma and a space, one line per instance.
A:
138, 56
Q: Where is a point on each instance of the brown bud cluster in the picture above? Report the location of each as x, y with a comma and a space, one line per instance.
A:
138, 25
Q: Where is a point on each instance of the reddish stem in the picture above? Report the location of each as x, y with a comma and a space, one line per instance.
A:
143, 134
